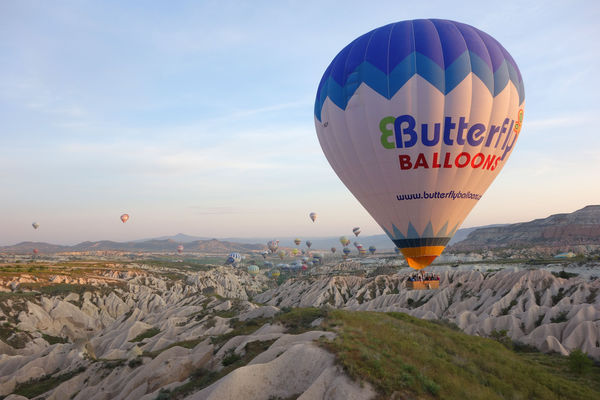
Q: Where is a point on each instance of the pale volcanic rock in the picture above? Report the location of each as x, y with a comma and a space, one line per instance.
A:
299, 367
552, 345
259, 312
333, 384
515, 300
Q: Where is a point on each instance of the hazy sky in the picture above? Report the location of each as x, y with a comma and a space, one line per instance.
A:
197, 117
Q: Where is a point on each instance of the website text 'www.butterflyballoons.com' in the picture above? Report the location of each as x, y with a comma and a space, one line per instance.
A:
439, 195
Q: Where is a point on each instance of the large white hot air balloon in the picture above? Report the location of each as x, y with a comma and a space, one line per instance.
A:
417, 118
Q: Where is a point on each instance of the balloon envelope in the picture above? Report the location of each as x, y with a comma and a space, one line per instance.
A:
180, 248
417, 118
124, 218
372, 249
253, 270
313, 216
297, 241
356, 231
333, 249
35, 225
308, 243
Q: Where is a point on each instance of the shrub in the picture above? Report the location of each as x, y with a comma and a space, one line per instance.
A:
579, 362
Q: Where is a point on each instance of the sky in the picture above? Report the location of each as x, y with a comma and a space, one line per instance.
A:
197, 116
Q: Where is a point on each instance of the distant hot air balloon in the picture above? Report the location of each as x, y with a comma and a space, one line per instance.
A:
281, 254
372, 249
304, 259
313, 216
308, 243
275, 273
264, 254
297, 241
273, 245
180, 248
124, 218
35, 251
268, 264
304, 267
253, 270
35, 225
295, 251
356, 231
417, 118
234, 258
362, 251
346, 251
333, 249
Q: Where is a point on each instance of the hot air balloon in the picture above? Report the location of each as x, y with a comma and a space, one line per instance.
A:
297, 241
346, 251
35, 225
281, 254
304, 259
304, 267
124, 218
362, 251
356, 231
343, 240
234, 258
268, 264
417, 118
253, 270
308, 243
264, 254
333, 249
372, 249
313, 216
295, 251
273, 245
180, 248
35, 251
275, 273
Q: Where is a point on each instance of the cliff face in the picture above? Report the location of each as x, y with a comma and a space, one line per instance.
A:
581, 227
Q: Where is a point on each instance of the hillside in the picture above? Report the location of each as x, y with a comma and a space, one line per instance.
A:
578, 228
153, 245
93, 331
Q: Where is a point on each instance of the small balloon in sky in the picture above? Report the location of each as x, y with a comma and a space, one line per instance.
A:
124, 218
313, 216
35, 225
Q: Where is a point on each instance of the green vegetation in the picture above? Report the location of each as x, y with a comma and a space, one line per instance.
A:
564, 275
35, 387
560, 317
411, 358
579, 362
54, 339
146, 334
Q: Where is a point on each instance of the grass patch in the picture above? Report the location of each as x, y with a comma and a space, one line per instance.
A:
411, 358
298, 320
35, 387
54, 339
147, 334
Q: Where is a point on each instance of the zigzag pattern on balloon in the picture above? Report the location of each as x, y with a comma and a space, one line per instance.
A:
428, 232
428, 48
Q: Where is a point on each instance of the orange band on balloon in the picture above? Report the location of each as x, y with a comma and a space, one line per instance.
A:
420, 257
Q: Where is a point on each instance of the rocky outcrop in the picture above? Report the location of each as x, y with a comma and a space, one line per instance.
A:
530, 305
565, 231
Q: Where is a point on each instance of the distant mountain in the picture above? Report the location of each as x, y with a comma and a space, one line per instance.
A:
153, 245
179, 238
581, 227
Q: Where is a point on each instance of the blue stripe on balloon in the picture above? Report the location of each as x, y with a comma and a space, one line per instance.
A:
416, 64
